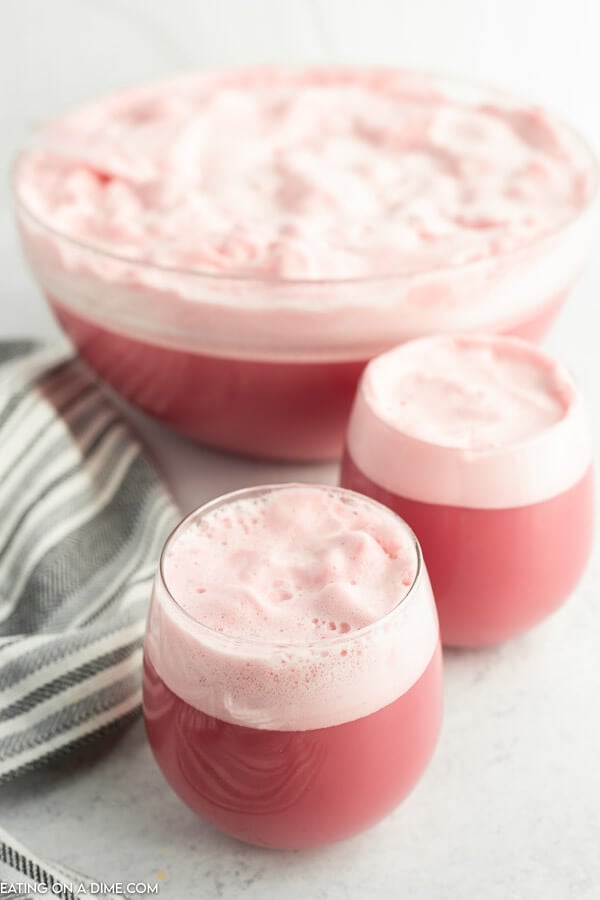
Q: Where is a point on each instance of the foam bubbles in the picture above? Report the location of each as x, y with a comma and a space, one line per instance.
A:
468, 392
316, 612
304, 174
293, 565
479, 421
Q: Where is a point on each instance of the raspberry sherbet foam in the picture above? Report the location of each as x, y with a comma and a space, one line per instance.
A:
309, 174
475, 421
229, 250
298, 608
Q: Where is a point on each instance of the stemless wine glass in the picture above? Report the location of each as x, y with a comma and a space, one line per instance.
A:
292, 744
506, 529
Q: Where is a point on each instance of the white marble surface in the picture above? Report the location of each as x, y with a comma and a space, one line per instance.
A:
510, 807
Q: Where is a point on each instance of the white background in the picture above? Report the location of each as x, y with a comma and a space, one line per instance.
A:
510, 807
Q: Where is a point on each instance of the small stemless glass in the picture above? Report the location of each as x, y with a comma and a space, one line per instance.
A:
291, 745
506, 531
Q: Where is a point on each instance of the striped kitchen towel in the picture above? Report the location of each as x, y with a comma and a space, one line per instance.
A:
25, 875
83, 516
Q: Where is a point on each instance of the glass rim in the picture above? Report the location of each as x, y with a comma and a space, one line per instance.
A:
271, 644
574, 402
235, 277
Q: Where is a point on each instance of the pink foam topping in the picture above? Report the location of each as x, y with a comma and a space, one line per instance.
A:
316, 173
476, 421
294, 608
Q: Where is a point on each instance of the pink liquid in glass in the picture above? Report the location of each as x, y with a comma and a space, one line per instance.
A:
292, 664
272, 409
279, 409
294, 789
495, 572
